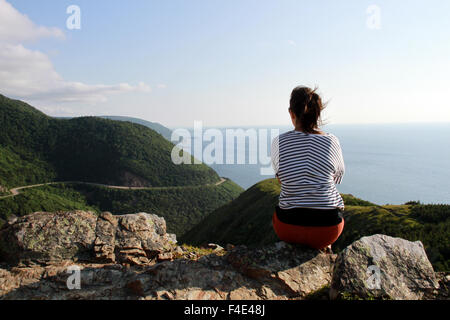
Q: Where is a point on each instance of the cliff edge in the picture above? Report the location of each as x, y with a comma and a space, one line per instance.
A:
78, 255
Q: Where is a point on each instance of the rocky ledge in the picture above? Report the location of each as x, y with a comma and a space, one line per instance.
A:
78, 255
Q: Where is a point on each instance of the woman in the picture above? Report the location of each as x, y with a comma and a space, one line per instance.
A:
308, 163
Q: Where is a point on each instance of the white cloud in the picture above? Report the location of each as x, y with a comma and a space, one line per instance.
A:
30, 75
16, 27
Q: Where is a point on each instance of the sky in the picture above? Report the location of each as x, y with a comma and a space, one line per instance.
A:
228, 62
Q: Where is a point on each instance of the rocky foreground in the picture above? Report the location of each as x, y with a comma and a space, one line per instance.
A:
79, 255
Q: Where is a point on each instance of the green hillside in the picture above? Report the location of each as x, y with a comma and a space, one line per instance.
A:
248, 220
35, 148
43, 199
182, 207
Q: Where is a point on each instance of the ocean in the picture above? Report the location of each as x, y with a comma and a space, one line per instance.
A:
385, 163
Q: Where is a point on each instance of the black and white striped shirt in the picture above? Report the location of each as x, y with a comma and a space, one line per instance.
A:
309, 167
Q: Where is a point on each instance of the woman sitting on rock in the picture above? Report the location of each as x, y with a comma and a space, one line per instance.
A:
308, 163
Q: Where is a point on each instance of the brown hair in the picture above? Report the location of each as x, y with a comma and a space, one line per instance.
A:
307, 105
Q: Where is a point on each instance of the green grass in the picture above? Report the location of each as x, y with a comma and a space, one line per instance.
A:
351, 200
193, 253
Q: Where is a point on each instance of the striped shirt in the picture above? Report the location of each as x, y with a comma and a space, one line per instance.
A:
309, 167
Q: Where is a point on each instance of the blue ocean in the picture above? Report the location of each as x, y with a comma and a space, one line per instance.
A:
385, 163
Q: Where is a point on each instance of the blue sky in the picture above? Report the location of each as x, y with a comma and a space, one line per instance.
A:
232, 63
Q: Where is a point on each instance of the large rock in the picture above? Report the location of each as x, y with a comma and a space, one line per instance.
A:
141, 237
275, 272
380, 266
44, 237
298, 269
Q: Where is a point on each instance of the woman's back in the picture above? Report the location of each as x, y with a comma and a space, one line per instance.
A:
309, 166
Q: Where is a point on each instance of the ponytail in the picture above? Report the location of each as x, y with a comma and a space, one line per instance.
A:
307, 106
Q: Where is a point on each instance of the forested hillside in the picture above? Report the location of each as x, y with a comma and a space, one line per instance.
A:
35, 148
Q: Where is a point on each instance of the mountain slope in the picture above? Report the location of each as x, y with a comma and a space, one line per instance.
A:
248, 220
36, 148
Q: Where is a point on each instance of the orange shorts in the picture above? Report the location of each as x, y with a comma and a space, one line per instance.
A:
314, 237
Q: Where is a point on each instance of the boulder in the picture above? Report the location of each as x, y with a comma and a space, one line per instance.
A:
383, 267
140, 238
44, 237
299, 270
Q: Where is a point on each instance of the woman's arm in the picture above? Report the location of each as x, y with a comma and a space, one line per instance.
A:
339, 163
275, 156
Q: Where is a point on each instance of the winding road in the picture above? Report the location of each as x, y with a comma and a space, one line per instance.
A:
16, 191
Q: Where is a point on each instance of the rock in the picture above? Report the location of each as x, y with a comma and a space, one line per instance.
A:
215, 247
179, 250
299, 270
285, 273
42, 238
380, 266
133, 257
444, 286
140, 237
105, 237
135, 287
12, 219
165, 256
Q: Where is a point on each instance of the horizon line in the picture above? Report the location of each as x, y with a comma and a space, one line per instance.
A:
325, 125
